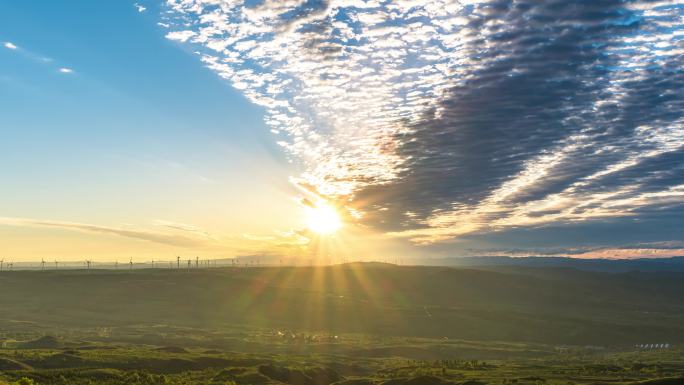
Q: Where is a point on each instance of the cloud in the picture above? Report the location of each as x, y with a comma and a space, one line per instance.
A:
170, 239
28, 54
629, 253
43, 60
440, 120
181, 36
626, 250
193, 230
139, 7
187, 236
542, 135
653, 250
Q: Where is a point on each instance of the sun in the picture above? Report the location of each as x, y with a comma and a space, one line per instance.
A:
323, 219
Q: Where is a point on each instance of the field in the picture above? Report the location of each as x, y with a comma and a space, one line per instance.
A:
355, 324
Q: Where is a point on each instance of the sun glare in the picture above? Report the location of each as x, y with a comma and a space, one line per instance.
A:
323, 219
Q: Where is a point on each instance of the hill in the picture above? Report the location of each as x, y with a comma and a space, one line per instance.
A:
589, 264
527, 304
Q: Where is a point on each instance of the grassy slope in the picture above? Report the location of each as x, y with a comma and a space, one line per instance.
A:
556, 306
148, 365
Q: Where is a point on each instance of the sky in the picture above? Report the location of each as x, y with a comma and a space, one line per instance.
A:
214, 128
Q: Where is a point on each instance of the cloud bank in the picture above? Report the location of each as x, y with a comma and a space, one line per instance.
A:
441, 119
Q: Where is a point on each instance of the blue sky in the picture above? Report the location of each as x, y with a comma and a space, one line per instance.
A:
433, 128
139, 131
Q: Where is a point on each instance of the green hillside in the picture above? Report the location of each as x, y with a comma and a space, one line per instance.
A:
552, 306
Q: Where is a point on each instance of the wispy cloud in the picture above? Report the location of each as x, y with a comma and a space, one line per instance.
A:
166, 238
139, 7
186, 236
193, 230
619, 253
440, 119
44, 60
641, 250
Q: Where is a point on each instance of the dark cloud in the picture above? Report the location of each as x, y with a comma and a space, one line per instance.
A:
555, 74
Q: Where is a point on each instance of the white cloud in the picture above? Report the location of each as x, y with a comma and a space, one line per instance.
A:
181, 36
65, 70
339, 105
10, 45
343, 90
139, 7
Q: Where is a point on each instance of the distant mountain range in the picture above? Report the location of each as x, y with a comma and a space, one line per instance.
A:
602, 265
